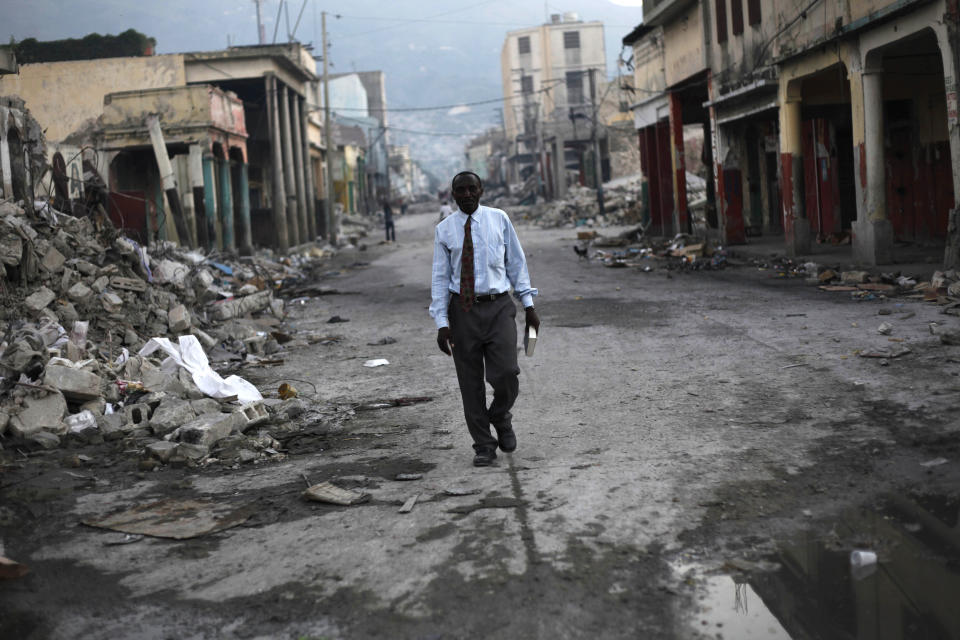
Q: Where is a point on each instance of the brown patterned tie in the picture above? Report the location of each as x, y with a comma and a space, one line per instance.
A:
466, 268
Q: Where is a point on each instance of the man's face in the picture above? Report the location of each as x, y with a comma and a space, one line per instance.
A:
467, 191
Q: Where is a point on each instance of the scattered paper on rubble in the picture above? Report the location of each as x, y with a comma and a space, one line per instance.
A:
190, 356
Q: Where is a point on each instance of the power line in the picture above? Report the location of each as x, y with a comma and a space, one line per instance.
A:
407, 21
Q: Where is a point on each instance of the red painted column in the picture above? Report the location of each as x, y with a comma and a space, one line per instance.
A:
681, 219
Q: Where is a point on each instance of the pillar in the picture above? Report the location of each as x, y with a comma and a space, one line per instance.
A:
796, 227
298, 132
681, 219
310, 195
948, 38
246, 243
278, 197
872, 230
226, 204
289, 180
210, 201
195, 169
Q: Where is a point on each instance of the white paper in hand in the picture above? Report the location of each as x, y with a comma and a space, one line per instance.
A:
529, 341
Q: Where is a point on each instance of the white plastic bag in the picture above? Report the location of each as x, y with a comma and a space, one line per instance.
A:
190, 355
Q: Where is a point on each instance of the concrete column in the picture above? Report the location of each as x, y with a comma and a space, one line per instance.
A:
873, 232
298, 132
226, 204
293, 218
948, 37
210, 201
559, 166
5, 166
246, 243
796, 227
681, 219
279, 195
310, 194
195, 164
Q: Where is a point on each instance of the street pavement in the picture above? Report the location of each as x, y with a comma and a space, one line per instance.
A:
684, 438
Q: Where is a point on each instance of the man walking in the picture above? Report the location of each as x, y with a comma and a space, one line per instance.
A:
388, 222
477, 257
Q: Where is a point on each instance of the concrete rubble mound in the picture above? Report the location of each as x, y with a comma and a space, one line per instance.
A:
107, 340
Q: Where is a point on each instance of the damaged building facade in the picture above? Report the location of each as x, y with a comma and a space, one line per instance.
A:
244, 141
820, 126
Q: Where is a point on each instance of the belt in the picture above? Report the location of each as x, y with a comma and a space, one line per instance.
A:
487, 297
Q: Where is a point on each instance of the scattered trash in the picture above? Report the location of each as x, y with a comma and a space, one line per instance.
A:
332, 494
488, 503
11, 569
179, 519
885, 329
936, 462
863, 563
336, 319
379, 362
381, 342
460, 491
287, 391
408, 476
127, 538
408, 505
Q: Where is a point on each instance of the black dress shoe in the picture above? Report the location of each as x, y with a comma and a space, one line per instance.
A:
484, 458
507, 439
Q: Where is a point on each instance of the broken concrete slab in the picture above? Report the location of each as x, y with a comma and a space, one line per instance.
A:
205, 406
171, 414
178, 319
79, 292
128, 284
39, 412
53, 261
39, 299
112, 303
45, 439
207, 429
332, 494
75, 384
237, 307
162, 450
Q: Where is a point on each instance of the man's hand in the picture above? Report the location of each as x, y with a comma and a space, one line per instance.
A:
445, 340
532, 319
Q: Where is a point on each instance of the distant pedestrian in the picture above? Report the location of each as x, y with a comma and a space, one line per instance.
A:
403, 207
477, 258
445, 210
388, 222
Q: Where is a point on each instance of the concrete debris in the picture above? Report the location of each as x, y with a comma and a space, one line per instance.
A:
173, 518
332, 494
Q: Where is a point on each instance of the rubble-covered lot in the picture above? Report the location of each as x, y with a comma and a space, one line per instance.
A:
676, 427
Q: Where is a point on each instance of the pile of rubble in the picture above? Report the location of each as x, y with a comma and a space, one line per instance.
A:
107, 340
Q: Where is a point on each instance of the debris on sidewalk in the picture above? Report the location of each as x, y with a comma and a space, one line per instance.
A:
332, 494
408, 505
377, 362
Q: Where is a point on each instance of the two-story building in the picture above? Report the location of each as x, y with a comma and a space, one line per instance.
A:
833, 123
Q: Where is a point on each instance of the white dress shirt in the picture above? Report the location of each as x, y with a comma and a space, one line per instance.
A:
498, 260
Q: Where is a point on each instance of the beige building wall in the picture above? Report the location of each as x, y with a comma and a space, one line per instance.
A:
64, 96
686, 55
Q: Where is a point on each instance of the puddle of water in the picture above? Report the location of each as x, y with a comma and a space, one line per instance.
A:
729, 609
913, 590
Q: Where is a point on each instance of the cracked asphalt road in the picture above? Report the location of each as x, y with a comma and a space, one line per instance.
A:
667, 420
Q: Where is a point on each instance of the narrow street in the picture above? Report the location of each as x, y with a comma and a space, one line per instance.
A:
698, 455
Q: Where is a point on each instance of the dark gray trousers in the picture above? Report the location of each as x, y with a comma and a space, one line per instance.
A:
485, 342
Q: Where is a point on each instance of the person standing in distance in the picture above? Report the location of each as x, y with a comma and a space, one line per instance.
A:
477, 257
388, 222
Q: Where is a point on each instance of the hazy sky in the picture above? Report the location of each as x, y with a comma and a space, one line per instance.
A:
433, 52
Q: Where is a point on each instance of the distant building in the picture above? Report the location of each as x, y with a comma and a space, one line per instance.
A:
553, 75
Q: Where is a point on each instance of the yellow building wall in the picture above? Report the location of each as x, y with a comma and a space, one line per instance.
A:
63, 96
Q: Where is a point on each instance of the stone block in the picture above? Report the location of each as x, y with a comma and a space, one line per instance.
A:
100, 283
178, 319
45, 439
96, 406
193, 452
39, 413
250, 415
75, 384
79, 292
162, 450
39, 299
208, 429
111, 426
205, 406
112, 303
128, 284
137, 415
85, 267
171, 413
53, 260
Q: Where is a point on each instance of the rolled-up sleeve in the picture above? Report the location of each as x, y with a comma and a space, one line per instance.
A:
517, 267
440, 282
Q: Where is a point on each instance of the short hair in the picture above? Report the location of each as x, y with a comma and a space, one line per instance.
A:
466, 173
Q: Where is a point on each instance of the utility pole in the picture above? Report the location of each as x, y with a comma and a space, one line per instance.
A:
597, 166
328, 178
261, 34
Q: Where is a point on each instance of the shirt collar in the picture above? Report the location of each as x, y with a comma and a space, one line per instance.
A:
475, 214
